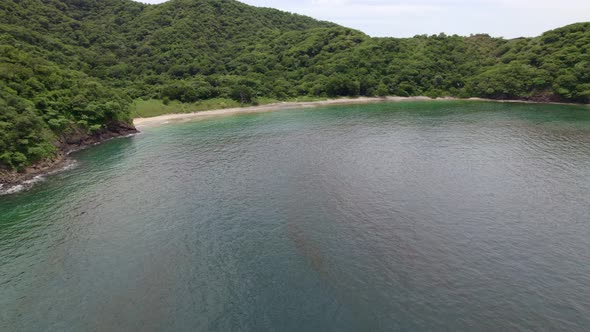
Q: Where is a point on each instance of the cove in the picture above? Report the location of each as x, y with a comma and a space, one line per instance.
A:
410, 216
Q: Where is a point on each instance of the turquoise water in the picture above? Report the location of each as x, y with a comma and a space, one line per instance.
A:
421, 216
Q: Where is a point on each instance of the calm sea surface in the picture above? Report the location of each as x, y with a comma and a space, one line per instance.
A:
422, 216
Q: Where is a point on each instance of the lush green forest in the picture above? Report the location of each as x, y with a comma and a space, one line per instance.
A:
75, 66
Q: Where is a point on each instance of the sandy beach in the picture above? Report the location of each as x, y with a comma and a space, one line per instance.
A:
180, 117
162, 119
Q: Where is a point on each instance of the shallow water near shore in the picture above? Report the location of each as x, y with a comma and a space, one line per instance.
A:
418, 216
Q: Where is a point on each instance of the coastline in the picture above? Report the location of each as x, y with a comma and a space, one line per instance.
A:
181, 117
12, 182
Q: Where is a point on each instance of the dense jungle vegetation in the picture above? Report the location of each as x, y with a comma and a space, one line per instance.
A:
77, 65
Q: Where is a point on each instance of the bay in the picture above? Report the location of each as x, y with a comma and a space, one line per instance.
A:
412, 216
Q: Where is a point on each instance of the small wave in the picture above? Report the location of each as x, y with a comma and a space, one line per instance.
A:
28, 184
20, 187
12, 190
36, 179
70, 165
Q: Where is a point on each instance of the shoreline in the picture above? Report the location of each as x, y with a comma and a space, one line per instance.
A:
179, 117
12, 182
182, 117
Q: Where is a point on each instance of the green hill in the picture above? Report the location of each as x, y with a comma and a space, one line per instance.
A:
70, 69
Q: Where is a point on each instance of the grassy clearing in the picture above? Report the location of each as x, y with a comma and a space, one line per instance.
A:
154, 107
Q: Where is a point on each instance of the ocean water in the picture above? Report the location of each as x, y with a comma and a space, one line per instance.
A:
421, 216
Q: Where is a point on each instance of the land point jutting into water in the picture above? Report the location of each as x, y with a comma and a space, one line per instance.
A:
209, 165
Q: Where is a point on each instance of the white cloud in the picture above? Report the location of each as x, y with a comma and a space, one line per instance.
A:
404, 18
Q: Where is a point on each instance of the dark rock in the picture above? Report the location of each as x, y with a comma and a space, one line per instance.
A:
66, 144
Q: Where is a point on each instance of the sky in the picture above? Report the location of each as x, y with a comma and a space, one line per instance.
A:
407, 18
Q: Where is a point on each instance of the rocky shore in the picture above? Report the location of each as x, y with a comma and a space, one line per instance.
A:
74, 142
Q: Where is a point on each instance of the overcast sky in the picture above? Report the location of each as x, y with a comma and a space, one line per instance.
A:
406, 18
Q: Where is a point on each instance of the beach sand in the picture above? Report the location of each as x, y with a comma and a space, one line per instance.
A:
181, 117
162, 119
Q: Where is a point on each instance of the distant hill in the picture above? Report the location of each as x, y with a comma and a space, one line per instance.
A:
69, 69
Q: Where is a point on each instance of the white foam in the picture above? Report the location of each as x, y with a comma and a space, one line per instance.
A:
39, 178
12, 190
36, 179
70, 165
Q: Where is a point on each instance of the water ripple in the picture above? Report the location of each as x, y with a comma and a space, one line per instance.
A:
423, 216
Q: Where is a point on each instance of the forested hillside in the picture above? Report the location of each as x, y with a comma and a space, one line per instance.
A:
73, 67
